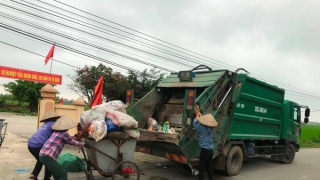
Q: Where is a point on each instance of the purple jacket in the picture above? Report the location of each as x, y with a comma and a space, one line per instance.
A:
41, 136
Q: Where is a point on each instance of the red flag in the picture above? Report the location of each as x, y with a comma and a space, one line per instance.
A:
97, 93
61, 101
50, 54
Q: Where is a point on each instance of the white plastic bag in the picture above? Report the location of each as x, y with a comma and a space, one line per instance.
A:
85, 119
98, 112
171, 130
135, 133
121, 119
152, 123
116, 105
98, 130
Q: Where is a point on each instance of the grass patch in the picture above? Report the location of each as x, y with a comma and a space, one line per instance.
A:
15, 102
20, 111
310, 136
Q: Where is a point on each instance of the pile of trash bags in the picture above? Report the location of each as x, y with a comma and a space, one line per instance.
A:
109, 117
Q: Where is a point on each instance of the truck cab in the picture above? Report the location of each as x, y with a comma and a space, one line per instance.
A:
291, 127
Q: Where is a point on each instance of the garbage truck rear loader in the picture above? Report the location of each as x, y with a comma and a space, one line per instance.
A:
253, 118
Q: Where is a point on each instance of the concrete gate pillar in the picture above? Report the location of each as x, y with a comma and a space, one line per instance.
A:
47, 101
79, 105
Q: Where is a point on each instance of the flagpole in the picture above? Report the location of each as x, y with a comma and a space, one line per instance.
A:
51, 64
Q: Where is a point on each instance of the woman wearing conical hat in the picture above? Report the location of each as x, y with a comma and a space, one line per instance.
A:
53, 147
205, 127
38, 139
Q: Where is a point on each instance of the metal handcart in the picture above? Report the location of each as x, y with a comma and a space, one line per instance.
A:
3, 125
112, 157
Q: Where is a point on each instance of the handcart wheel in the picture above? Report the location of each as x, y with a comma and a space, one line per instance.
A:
88, 172
126, 170
90, 176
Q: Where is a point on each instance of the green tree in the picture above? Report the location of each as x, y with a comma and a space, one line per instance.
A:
144, 82
115, 84
5, 99
86, 79
25, 91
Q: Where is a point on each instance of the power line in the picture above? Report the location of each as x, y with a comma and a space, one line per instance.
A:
144, 34
69, 34
68, 18
74, 54
300, 93
37, 54
95, 35
83, 42
288, 90
117, 69
54, 59
92, 34
304, 94
134, 31
283, 84
17, 30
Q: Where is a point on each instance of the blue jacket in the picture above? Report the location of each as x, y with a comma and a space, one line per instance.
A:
41, 136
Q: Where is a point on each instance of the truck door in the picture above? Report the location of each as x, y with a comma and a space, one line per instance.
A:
294, 123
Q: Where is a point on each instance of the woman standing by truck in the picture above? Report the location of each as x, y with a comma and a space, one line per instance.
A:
205, 127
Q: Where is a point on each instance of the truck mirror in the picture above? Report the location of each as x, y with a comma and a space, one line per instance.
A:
306, 120
307, 112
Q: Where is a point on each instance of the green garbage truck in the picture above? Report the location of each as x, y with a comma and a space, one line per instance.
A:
253, 118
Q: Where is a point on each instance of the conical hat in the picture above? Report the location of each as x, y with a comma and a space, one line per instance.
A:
50, 115
63, 123
208, 120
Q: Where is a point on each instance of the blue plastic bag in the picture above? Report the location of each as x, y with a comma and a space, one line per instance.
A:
250, 148
112, 127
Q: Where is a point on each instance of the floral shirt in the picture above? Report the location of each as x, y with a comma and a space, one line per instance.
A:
205, 135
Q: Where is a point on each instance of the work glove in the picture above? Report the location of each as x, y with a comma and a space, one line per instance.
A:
87, 145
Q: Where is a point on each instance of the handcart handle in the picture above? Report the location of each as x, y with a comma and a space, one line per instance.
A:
84, 154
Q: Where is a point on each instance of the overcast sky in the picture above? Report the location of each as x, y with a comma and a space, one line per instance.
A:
276, 41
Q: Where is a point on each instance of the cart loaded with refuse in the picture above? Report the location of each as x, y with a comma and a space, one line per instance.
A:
112, 135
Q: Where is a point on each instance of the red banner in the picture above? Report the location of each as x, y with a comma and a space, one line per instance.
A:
22, 74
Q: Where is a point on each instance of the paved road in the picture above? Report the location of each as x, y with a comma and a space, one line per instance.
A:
16, 162
24, 126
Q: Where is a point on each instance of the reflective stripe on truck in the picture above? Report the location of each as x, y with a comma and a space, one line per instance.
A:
177, 158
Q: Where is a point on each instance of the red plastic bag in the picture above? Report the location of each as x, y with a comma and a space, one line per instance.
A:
127, 170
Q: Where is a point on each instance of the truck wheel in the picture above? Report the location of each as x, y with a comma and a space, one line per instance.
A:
233, 161
289, 154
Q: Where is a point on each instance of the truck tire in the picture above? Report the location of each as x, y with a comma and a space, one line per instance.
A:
289, 154
233, 161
